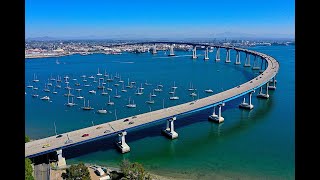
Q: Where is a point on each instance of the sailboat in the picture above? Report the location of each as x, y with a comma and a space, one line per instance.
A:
129, 86
99, 86
150, 101
208, 91
173, 97
131, 105
79, 96
123, 90
153, 94
193, 94
103, 92
69, 93
51, 78
94, 80
46, 88
110, 102
139, 91
49, 83
35, 78
92, 91
35, 88
141, 88
147, 84
54, 91
108, 88
86, 107
105, 73
77, 83
191, 87
102, 111
99, 74
91, 77
45, 98
70, 103
34, 94
84, 79
120, 81
174, 85
29, 86
117, 95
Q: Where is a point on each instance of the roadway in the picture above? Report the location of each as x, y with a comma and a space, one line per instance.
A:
34, 148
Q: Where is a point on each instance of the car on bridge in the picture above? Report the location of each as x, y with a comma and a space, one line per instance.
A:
46, 145
85, 135
131, 122
125, 120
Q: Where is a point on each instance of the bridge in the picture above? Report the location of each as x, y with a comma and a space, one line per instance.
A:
120, 127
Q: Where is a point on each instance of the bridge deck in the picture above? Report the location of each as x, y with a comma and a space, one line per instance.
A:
34, 148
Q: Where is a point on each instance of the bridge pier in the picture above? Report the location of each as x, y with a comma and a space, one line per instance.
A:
169, 131
154, 49
255, 66
261, 69
247, 63
238, 58
171, 51
262, 95
228, 56
218, 54
61, 163
206, 54
122, 145
194, 52
245, 105
273, 81
217, 118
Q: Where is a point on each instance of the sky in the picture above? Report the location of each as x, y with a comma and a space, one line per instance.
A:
159, 19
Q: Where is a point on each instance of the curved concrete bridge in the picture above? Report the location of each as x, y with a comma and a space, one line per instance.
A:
119, 127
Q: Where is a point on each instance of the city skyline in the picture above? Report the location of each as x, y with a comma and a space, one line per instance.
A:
143, 19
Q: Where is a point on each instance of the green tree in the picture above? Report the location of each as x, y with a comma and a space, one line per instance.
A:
28, 169
133, 170
27, 139
79, 171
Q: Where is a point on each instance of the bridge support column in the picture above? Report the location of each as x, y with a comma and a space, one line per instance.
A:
245, 105
262, 95
122, 145
218, 54
61, 163
154, 49
238, 58
273, 81
217, 118
228, 56
169, 131
171, 51
206, 54
255, 66
247, 63
261, 69
194, 52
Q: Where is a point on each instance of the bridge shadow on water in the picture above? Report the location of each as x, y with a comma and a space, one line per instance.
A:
247, 119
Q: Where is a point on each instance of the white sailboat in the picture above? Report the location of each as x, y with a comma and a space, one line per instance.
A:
139, 91
141, 88
35, 78
123, 90
147, 84
117, 95
173, 97
150, 101
100, 86
110, 102
92, 91
129, 86
49, 83
102, 111
153, 94
54, 90
86, 107
91, 77
70, 103
103, 92
99, 74
29, 86
79, 96
51, 78
191, 87
174, 85
120, 81
208, 91
131, 105
45, 98
46, 88
105, 73
34, 94
193, 94
94, 80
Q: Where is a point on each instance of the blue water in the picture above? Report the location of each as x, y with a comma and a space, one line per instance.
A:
249, 144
